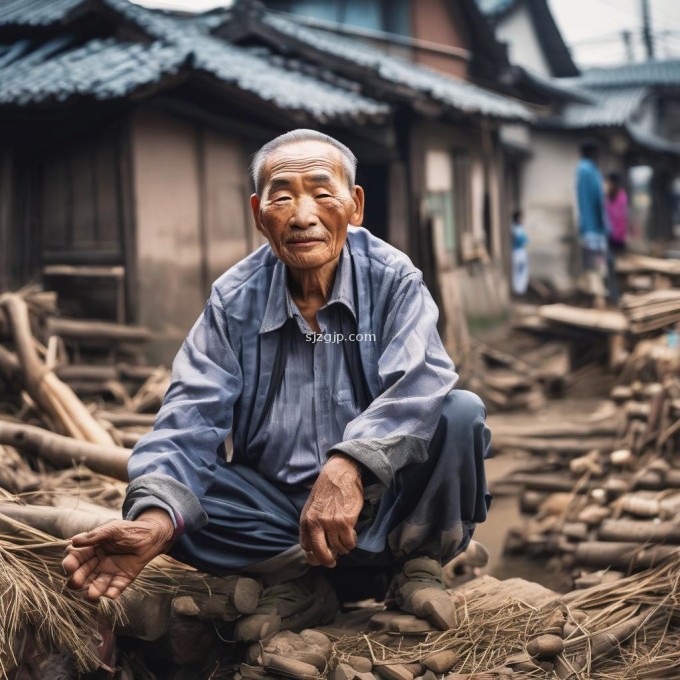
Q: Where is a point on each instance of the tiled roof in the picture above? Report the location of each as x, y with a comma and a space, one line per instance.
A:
612, 108
651, 73
36, 73
102, 69
35, 12
457, 94
609, 108
184, 44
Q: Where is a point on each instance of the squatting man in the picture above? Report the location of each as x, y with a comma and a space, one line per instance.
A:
353, 454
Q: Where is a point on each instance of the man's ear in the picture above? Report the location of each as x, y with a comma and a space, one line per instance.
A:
255, 207
357, 218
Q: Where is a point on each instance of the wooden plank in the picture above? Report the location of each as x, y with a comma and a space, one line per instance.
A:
97, 331
605, 321
116, 271
629, 264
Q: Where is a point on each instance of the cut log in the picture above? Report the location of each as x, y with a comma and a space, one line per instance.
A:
639, 531
601, 555
59, 522
573, 445
65, 451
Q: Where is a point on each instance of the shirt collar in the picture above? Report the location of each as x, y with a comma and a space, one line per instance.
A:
280, 306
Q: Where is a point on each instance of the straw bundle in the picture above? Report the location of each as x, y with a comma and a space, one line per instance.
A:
35, 603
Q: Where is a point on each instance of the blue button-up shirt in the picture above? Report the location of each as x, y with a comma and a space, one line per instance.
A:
592, 217
251, 334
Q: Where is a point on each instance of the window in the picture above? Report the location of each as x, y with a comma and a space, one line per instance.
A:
449, 204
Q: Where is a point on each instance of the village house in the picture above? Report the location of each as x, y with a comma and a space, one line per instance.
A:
126, 135
629, 109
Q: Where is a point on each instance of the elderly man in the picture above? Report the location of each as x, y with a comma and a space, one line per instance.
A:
319, 355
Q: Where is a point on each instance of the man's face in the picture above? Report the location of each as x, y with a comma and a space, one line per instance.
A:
306, 205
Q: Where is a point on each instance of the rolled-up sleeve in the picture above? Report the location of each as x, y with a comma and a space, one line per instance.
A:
172, 466
416, 374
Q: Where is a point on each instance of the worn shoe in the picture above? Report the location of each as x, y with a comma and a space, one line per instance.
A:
419, 589
304, 602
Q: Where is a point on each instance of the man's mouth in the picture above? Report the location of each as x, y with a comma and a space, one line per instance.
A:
304, 242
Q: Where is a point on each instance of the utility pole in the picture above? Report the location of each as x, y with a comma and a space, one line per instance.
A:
647, 29
628, 44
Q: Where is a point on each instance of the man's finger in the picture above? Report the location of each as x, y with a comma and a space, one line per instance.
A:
118, 585
82, 573
92, 538
311, 559
75, 558
319, 547
334, 542
98, 586
347, 537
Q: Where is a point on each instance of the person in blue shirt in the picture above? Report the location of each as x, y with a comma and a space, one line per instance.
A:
592, 219
520, 256
318, 357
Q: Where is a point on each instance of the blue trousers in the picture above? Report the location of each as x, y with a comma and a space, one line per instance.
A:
431, 508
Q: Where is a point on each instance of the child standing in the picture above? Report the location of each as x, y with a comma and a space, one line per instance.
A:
520, 257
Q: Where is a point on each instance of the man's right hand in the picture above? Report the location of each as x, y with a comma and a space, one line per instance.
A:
107, 559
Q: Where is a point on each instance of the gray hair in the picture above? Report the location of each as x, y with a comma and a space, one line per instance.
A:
349, 160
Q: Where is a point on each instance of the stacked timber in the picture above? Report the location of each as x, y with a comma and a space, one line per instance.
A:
605, 493
653, 311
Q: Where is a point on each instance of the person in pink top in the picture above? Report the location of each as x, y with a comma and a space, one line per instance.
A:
616, 205
617, 212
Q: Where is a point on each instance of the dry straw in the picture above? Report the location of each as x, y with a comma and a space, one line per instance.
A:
615, 631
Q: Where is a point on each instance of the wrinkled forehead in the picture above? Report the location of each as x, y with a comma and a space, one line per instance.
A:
301, 158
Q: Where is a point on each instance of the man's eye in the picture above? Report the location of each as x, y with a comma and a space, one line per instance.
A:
323, 196
280, 199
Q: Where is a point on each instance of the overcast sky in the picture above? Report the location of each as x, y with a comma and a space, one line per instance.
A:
592, 28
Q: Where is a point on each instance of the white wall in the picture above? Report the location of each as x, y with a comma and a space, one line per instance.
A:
548, 204
517, 30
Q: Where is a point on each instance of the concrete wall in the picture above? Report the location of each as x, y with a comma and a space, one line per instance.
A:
433, 20
190, 213
548, 203
517, 30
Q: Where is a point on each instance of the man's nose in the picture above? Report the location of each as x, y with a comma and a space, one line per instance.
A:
305, 213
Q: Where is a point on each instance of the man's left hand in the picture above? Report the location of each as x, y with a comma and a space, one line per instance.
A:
331, 512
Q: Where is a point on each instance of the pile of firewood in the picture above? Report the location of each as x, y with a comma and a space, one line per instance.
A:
652, 311
606, 493
51, 363
497, 629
